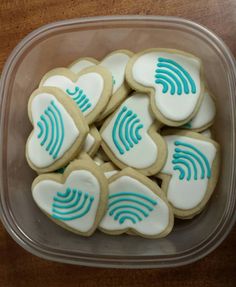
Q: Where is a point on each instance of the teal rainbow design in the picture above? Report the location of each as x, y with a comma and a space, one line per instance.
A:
126, 130
132, 206
190, 162
51, 130
71, 204
79, 98
174, 78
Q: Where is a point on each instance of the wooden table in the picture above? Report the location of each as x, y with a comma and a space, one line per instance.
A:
18, 267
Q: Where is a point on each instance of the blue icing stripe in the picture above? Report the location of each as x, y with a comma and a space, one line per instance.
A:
114, 131
125, 131
133, 132
118, 214
187, 75
64, 194
80, 98
171, 75
64, 199
129, 206
72, 93
77, 98
41, 129
138, 136
51, 129
114, 202
61, 130
121, 128
43, 119
124, 218
125, 205
186, 164
162, 78
192, 158
76, 195
133, 194
75, 204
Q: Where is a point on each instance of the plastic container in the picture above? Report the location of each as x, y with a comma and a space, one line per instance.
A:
58, 44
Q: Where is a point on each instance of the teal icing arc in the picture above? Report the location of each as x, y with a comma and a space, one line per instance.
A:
128, 205
174, 77
126, 130
51, 130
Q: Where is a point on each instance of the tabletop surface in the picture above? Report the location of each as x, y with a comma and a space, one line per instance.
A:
20, 268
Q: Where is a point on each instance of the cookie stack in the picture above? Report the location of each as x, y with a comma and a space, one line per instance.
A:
123, 145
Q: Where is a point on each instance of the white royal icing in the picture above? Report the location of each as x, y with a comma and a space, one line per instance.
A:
144, 153
157, 211
116, 64
91, 84
80, 65
205, 115
173, 107
89, 142
45, 192
61, 140
182, 193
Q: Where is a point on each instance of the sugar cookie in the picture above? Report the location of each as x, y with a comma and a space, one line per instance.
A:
130, 138
136, 204
115, 63
59, 130
90, 89
174, 81
190, 173
76, 199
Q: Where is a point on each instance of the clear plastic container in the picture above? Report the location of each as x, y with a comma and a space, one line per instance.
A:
58, 44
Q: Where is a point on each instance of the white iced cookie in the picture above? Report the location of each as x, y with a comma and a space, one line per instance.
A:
59, 130
130, 138
90, 89
115, 63
136, 205
173, 80
75, 200
205, 115
190, 173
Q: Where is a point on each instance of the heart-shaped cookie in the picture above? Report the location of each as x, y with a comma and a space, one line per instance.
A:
190, 173
90, 90
59, 130
75, 200
115, 63
136, 205
129, 136
173, 80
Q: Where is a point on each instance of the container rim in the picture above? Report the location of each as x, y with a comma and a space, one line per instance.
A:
218, 235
